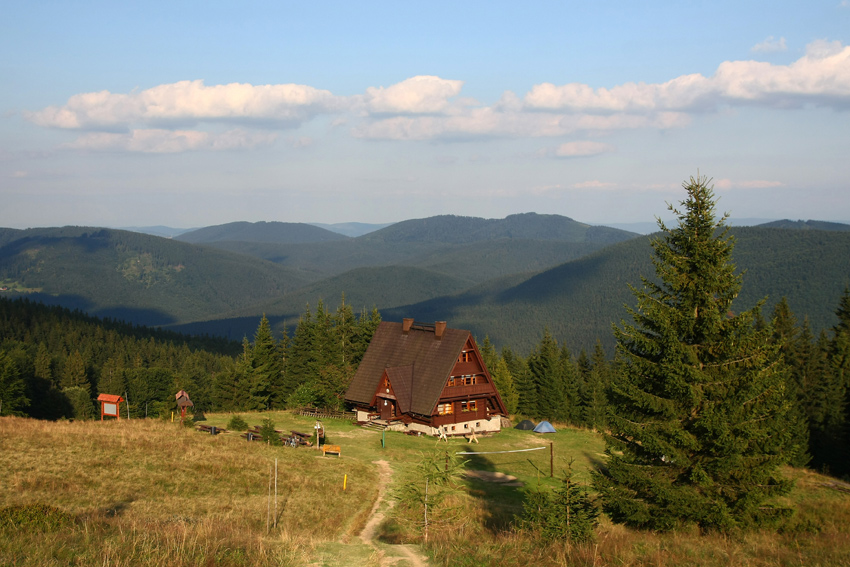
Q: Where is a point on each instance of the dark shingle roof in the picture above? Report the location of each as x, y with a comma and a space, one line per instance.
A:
431, 361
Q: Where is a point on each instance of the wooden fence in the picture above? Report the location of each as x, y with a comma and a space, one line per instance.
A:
326, 413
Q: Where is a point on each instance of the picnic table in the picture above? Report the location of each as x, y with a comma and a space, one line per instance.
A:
211, 429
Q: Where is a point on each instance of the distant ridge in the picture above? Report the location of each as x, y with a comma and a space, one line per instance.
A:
807, 225
273, 232
163, 231
451, 229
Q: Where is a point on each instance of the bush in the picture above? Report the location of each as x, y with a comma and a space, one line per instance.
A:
236, 423
268, 433
567, 513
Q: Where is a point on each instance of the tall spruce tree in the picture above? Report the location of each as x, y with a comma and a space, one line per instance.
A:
787, 336
697, 408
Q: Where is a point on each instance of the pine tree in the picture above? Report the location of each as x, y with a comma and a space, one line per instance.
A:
266, 366
75, 373
488, 353
567, 513
526, 394
594, 403
13, 398
504, 382
697, 431
545, 365
786, 336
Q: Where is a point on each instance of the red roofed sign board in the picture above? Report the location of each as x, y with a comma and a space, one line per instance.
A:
109, 405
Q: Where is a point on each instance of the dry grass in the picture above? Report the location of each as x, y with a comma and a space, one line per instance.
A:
153, 493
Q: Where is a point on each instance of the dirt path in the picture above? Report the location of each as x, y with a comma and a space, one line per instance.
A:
389, 555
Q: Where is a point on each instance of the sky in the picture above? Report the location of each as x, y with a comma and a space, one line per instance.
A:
189, 114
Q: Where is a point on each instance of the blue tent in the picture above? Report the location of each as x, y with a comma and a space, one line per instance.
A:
544, 427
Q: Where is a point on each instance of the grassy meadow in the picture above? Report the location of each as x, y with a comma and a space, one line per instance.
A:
151, 492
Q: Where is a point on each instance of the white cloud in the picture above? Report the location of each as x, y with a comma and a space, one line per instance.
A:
725, 184
416, 95
170, 141
583, 149
821, 76
189, 102
594, 184
770, 45
425, 107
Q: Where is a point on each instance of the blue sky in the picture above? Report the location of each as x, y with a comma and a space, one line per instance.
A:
192, 114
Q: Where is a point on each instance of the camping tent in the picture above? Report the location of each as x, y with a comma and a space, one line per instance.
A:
525, 425
544, 427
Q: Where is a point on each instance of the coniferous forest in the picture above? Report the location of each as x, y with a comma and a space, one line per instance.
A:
54, 362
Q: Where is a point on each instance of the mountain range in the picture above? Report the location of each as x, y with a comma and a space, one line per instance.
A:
505, 278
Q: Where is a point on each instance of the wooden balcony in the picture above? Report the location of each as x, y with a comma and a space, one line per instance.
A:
466, 392
462, 368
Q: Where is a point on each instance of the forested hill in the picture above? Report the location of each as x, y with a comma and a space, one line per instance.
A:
276, 232
580, 300
62, 357
464, 230
135, 277
461, 247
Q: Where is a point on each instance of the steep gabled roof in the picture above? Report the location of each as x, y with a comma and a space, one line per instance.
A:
401, 378
431, 361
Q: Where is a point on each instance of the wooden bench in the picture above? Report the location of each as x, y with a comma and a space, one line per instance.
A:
331, 449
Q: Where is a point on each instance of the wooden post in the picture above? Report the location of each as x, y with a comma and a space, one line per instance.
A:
275, 493
551, 460
269, 501
426, 509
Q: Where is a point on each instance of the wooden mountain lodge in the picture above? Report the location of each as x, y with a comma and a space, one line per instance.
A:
425, 378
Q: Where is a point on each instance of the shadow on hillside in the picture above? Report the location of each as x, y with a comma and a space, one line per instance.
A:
233, 328
502, 500
73, 302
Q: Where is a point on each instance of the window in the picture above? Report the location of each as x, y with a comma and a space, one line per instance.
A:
465, 356
445, 409
469, 380
469, 406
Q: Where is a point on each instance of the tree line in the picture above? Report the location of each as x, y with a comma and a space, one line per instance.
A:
54, 362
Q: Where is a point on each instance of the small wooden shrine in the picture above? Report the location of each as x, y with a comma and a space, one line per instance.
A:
110, 405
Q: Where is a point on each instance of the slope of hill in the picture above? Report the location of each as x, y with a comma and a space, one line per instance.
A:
580, 300
136, 277
352, 229
364, 288
278, 232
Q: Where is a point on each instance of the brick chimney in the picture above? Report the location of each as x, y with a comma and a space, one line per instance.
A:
439, 329
406, 324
